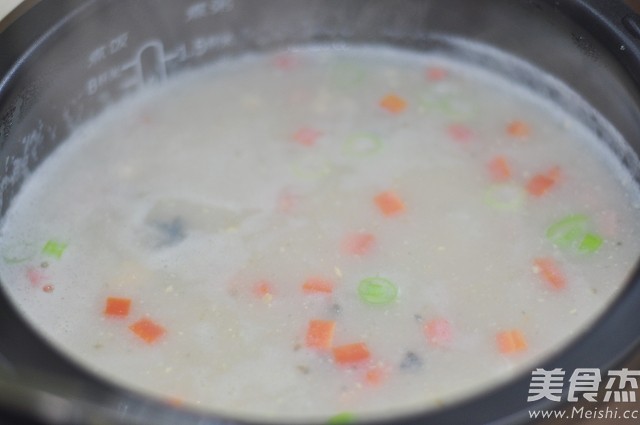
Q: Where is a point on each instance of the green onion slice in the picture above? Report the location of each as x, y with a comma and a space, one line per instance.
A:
19, 253
571, 232
311, 168
342, 418
568, 230
505, 197
590, 243
448, 105
54, 248
377, 290
362, 145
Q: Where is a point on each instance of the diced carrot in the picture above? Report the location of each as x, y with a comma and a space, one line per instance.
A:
35, 276
393, 103
438, 332
146, 119
306, 136
550, 272
511, 341
315, 285
554, 173
320, 334
436, 73
263, 289
499, 169
175, 401
540, 184
358, 243
117, 307
285, 61
460, 133
389, 203
376, 375
351, 353
147, 330
287, 201
518, 129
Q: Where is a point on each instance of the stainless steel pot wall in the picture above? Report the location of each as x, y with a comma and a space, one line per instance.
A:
63, 62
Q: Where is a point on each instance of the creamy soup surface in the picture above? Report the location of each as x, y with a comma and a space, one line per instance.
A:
319, 232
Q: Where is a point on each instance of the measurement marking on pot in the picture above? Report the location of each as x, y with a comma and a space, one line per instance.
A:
204, 9
111, 47
148, 65
94, 84
152, 62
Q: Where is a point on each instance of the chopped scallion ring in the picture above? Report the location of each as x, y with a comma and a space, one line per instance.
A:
377, 290
342, 418
590, 243
362, 145
568, 230
448, 105
571, 232
54, 248
311, 168
505, 197
19, 253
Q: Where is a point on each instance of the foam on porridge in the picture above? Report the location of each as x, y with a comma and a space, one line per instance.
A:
321, 232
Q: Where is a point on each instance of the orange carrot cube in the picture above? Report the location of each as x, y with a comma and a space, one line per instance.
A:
393, 103
460, 133
317, 285
550, 272
286, 61
320, 334
499, 169
511, 341
286, 201
389, 203
351, 353
540, 184
35, 276
119, 307
175, 401
438, 332
435, 73
518, 129
358, 243
306, 136
375, 375
263, 288
147, 330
